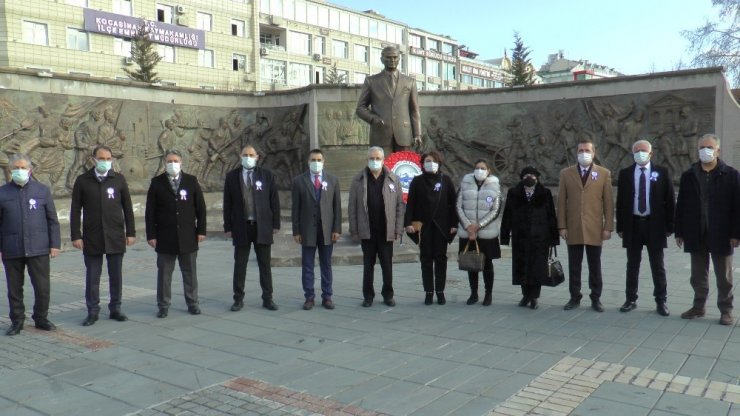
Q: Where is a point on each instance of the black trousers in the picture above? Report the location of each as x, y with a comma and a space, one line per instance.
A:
487, 277
38, 270
188, 268
640, 233
377, 249
531, 291
575, 258
433, 256
241, 258
94, 265
700, 278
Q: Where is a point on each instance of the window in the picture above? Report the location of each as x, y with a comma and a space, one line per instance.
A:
237, 27
450, 70
416, 64
373, 28
375, 54
276, 7
361, 53
122, 47
343, 75
323, 17
419, 85
448, 48
122, 7
415, 41
77, 39
205, 58
239, 62
433, 45
272, 71
382, 28
354, 24
391, 34
318, 45
399, 35
299, 74
318, 75
300, 11
364, 28
270, 41
432, 87
81, 3
299, 43
35, 33
312, 14
289, 9
339, 49
164, 13
344, 21
203, 21
433, 68
334, 19
167, 53
359, 78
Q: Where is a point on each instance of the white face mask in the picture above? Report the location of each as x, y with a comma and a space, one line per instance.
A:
173, 168
641, 158
706, 155
20, 176
480, 174
316, 167
374, 165
585, 159
103, 166
431, 167
249, 162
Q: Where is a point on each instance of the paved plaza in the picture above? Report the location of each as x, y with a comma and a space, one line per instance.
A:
407, 360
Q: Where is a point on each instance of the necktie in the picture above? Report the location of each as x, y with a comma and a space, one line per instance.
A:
100, 178
642, 193
249, 178
584, 176
316, 182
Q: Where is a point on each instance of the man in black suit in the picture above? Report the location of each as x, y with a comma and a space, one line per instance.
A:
251, 217
107, 228
175, 224
645, 206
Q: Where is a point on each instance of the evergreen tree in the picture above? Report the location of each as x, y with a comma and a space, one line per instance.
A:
520, 72
334, 77
144, 54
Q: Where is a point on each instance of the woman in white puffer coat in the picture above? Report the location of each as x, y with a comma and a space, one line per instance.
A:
478, 207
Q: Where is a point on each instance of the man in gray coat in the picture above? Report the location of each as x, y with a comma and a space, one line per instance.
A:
317, 223
376, 218
389, 103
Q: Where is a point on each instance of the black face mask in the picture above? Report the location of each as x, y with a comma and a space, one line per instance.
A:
529, 182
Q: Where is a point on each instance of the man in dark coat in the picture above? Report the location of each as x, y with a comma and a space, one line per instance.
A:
107, 228
708, 225
645, 210
251, 217
317, 224
29, 235
175, 224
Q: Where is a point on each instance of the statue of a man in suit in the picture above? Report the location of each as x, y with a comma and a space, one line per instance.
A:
389, 103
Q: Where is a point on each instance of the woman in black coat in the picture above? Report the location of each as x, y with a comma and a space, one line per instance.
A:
431, 201
529, 221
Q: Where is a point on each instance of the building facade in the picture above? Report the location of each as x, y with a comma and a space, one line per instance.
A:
560, 69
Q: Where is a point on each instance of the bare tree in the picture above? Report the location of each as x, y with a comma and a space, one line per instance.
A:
718, 42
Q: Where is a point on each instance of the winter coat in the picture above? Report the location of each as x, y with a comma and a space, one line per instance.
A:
28, 220
359, 220
585, 211
431, 200
266, 201
480, 206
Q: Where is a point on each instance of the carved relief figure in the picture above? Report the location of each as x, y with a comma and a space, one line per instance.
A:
85, 139
218, 146
610, 120
198, 150
284, 149
48, 160
688, 126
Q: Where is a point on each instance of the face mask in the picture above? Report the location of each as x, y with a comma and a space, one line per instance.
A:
706, 155
249, 162
480, 174
103, 166
529, 181
173, 168
375, 165
431, 167
641, 157
585, 159
316, 167
20, 176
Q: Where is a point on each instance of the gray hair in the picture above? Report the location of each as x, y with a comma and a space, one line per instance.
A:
20, 156
173, 152
710, 136
376, 149
642, 141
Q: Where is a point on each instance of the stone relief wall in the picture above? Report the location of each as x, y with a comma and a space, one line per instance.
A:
59, 132
339, 125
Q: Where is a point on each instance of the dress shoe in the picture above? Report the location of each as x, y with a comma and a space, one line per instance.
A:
194, 309
15, 328
487, 299
693, 313
269, 305
597, 306
45, 324
662, 309
472, 300
533, 304
308, 304
726, 319
524, 302
367, 303
162, 313
572, 304
91, 319
237, 306
118, 316
628, 306
429, 298
327, 303
441, 298
390, 302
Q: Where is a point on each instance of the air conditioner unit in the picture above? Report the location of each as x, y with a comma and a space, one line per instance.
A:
277, 20
181, 21
179, 9
317, 57
263, 51
128, 60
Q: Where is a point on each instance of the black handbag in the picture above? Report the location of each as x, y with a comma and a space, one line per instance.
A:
471, 261
555, 275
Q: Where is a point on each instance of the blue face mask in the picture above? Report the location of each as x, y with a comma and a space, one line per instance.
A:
20, 176
103, 166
